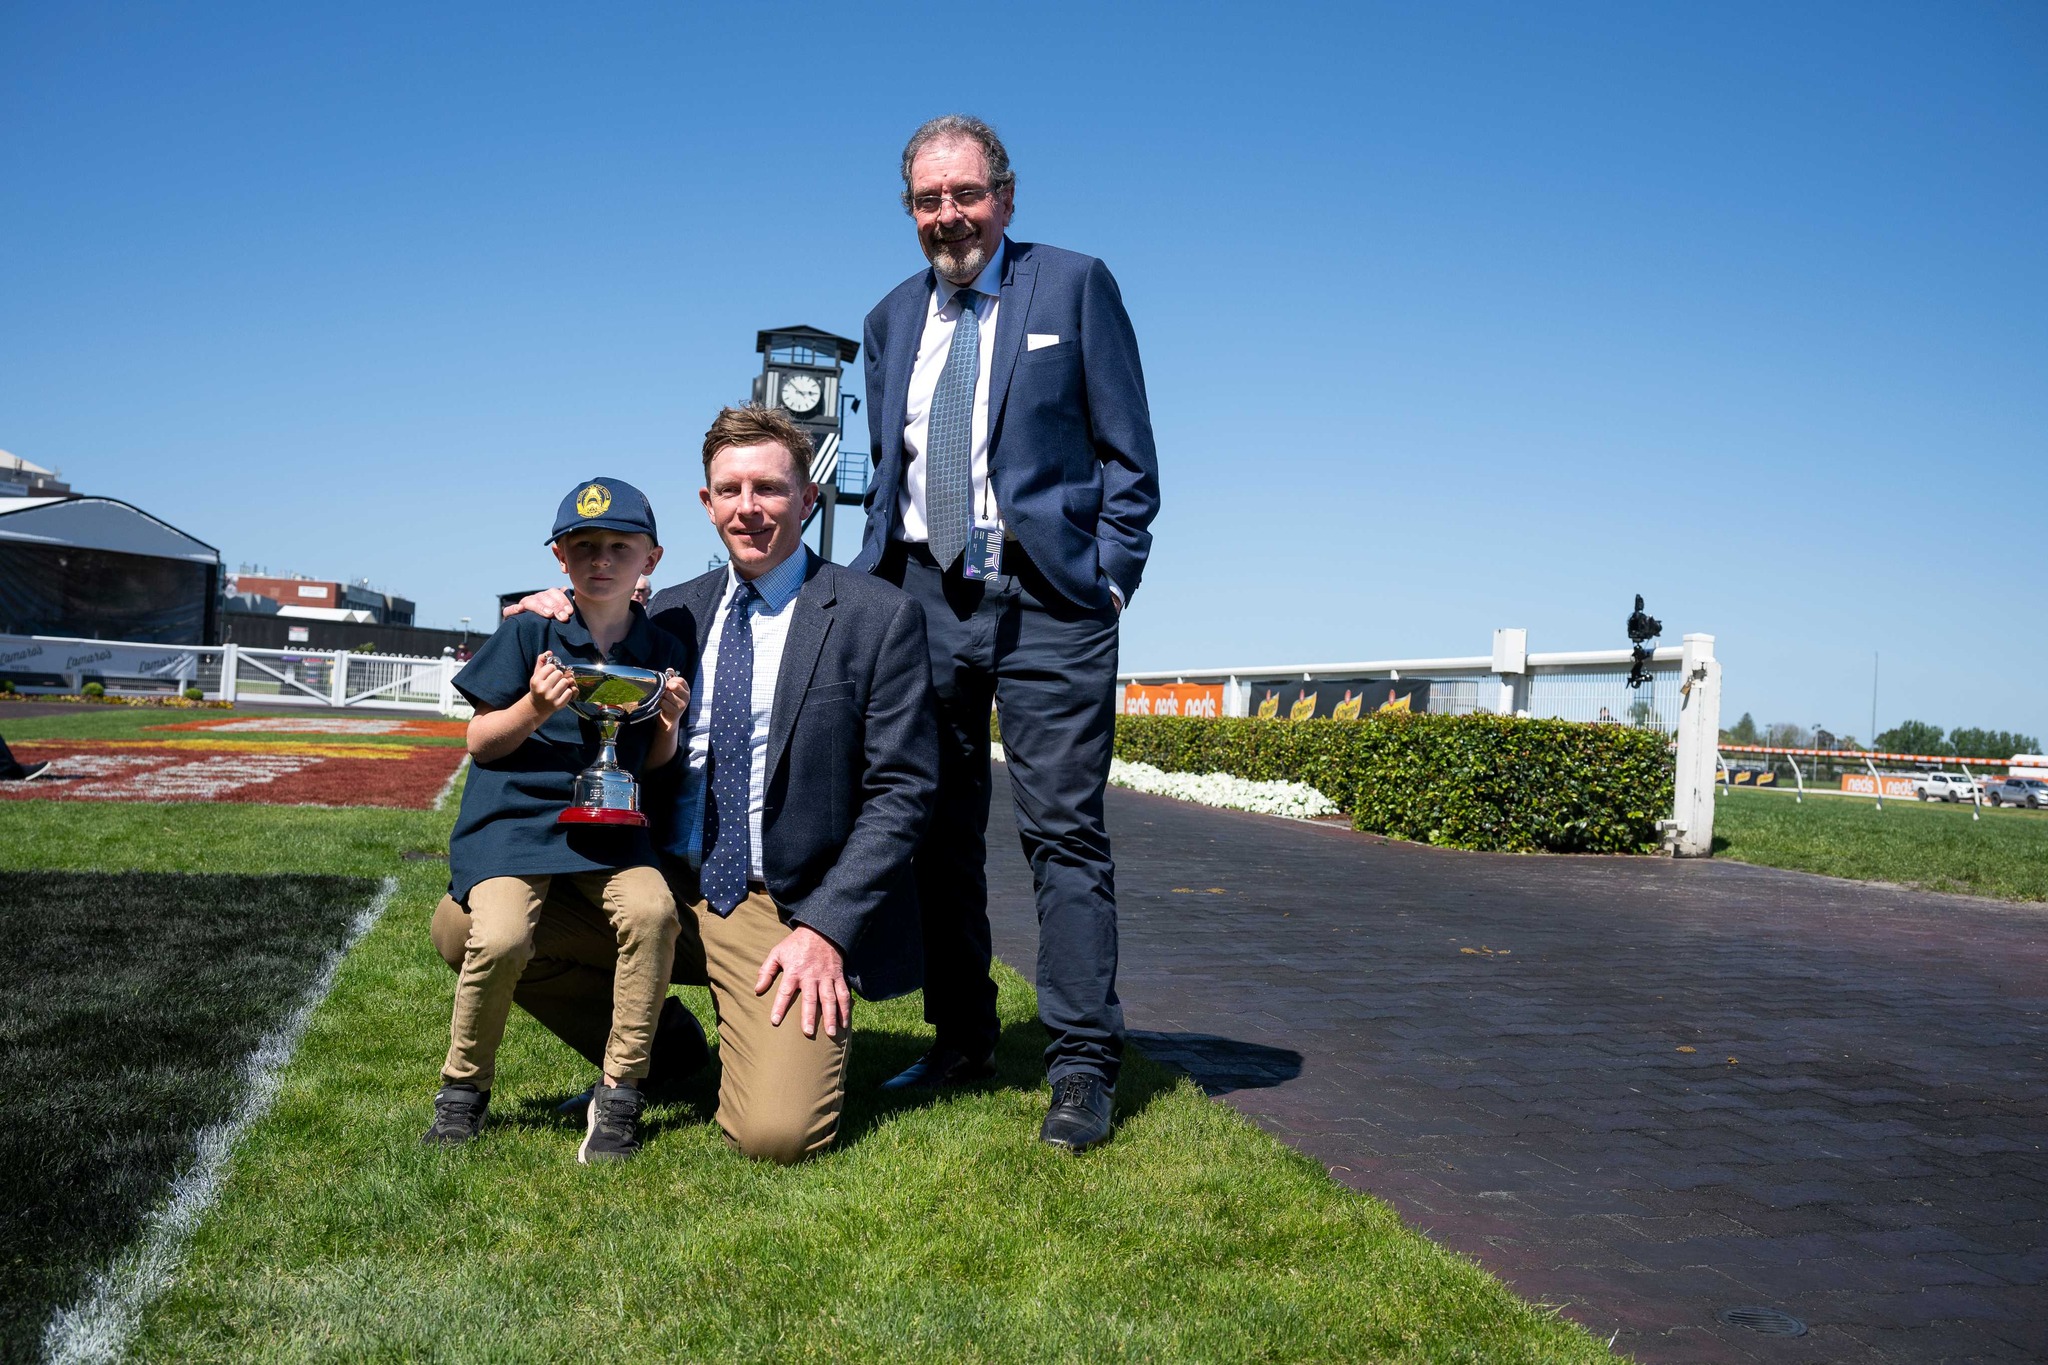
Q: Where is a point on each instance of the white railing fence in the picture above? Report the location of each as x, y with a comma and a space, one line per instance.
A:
1682, 699
236, 673
391, 682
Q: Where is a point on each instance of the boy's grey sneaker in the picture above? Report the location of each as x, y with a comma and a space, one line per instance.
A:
612, 1131
458, 1115
31, 771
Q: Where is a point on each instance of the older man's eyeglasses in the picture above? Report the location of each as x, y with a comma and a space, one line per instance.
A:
964, 198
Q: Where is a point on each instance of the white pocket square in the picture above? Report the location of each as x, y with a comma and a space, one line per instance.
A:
1038, 341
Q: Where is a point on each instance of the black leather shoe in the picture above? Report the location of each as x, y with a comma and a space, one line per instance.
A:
940, 1068
1079, 1117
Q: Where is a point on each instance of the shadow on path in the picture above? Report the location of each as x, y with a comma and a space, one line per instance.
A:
1221, 1066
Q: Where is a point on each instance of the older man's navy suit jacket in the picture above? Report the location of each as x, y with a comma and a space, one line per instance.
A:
1070, 433
853, 763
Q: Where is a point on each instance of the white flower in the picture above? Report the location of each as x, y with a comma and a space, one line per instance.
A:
1289, 800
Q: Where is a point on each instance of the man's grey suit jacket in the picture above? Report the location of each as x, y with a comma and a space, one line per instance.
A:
853, 765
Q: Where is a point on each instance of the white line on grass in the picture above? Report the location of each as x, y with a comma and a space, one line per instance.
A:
448, 787
98, 1327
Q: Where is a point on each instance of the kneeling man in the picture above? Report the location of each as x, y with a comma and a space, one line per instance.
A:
811, 759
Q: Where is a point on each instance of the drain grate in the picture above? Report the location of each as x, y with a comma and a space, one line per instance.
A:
1768, 1321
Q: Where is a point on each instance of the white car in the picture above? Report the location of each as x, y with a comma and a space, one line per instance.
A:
1944, 787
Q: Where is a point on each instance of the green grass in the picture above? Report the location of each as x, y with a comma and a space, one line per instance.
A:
86, 721
938, 1229
1932, 846
128, 1002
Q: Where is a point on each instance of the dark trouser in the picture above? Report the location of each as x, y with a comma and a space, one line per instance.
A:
10, 769
1050, 668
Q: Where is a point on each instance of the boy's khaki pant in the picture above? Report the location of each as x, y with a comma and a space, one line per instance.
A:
504, 913
780, 1094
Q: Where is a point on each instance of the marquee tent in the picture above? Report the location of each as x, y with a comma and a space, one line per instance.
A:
100, 569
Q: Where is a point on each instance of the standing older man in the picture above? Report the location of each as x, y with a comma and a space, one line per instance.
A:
1015, 479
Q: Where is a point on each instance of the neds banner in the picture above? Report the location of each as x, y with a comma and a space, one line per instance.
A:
1173, 699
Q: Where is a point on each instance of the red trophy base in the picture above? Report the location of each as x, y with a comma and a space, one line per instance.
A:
599, 815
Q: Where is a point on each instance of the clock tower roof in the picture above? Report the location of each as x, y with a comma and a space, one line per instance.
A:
810, 338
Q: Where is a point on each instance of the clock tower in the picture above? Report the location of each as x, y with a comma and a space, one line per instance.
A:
800, 373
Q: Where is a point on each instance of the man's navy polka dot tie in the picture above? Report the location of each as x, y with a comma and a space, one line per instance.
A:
728, 854
949, 482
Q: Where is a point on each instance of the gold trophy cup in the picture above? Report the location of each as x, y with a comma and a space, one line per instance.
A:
612, 695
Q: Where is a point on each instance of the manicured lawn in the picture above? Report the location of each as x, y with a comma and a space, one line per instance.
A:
129, 1001
84, 720
938, 1230
1934, 846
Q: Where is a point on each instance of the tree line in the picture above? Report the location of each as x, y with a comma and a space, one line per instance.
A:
1907, 737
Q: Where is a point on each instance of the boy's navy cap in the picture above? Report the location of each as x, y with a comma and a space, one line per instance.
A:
611, 504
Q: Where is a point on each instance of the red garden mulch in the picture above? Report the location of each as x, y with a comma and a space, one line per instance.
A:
274, 774
392, 727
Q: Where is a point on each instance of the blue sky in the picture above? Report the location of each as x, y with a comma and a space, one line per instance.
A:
1453, 317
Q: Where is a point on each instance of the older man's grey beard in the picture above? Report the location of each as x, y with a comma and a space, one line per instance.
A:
959, 261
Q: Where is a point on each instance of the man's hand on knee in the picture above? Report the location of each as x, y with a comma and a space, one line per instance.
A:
548, 602
810, 966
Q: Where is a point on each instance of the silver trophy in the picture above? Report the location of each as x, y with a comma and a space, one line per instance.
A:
612, 695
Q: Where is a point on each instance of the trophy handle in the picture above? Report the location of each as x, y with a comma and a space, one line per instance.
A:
653, 703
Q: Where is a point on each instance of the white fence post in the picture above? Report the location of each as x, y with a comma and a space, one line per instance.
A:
227, 672
338, 689
1699, 742
1511, 662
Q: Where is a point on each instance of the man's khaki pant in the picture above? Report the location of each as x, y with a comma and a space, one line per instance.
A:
780, 1093
505, 914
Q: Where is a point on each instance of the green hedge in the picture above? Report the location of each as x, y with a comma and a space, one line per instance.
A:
1482, 782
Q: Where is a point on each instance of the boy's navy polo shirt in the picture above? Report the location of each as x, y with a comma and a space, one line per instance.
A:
507, 825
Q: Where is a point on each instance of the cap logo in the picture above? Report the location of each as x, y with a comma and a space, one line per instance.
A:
594, 501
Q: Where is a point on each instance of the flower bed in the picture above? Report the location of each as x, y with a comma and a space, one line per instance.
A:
1289, 800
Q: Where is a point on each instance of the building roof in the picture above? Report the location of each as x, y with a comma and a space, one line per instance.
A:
15, 462
99, 524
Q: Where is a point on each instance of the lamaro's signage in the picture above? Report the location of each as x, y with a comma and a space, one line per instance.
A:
26, 654
1335, 698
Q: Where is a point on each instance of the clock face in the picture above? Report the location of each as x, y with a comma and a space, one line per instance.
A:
801, 393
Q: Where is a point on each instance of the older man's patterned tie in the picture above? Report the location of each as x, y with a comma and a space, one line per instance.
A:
728, 847
949, 482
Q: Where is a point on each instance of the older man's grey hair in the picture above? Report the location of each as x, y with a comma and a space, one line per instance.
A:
951, 127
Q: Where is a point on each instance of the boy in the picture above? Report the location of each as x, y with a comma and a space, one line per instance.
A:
508, 857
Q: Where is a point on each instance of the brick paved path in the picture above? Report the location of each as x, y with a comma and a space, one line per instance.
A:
1647, 1090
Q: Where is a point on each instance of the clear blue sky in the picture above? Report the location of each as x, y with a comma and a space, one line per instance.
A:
1453, 317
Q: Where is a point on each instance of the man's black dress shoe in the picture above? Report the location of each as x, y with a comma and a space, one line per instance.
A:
1079, 1117
939, 1068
